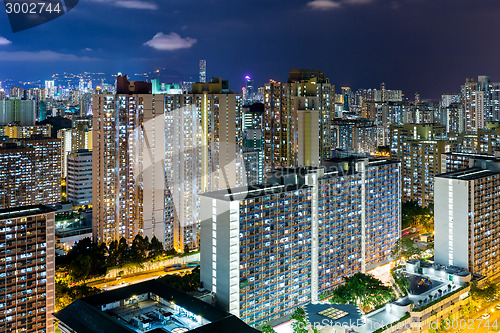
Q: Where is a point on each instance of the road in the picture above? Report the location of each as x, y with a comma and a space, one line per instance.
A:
133, 279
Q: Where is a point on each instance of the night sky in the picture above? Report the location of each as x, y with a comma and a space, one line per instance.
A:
428, 46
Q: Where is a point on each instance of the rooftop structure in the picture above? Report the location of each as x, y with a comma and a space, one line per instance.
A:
150, 306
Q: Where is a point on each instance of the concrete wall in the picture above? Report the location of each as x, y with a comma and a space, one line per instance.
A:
451, 223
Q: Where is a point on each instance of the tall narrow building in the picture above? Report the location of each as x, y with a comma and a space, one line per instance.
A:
155, 153
203, 71
297, 120
202, 152
466, 219
128, 188
27, 266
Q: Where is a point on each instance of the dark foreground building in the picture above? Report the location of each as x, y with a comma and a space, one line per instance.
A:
151, 307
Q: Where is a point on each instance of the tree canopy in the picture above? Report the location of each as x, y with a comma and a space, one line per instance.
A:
415, 215
363, 290
87, 259
405, 247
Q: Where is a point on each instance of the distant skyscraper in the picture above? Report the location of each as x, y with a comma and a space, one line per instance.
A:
448, 99
480, 103
248, 90
16, 93
50, 89
27, 263
202, 152
203, 71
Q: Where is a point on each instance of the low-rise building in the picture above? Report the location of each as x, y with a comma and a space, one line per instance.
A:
150, 306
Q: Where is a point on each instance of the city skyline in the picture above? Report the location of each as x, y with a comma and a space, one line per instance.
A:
415, 46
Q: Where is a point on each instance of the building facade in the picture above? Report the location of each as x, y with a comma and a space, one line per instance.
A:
30, 172
354, 135
466, 223
27, 269
155, 153
267, 249
128, 189
295, 114
79, 178
419, 148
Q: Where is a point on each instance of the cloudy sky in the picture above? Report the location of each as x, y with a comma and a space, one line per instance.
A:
428, 46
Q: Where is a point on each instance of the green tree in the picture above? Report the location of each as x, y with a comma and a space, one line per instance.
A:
155, 248
267, 329
405, 247
80, 268
138, 249
467, 310
363, 290
488, 294
299, 321
186, 282
415, 215
122, 251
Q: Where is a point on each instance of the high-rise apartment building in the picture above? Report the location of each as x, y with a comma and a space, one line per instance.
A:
480, 102
267, 249
128, 189
419, 148
448, 99
249, 94
27, 266
79, 178
253, 152
354, 135
73, 139
30, 172
202, 152
154, 154
455, 161
50, 89
466, 219
17, 111
297, 120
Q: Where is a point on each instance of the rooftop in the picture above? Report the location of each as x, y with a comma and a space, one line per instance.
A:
468, 174
9, 213
242, 193
150, 306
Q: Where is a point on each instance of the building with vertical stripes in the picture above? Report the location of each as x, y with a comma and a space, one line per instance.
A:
267, 249
297, 120
27, 266
467, 219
